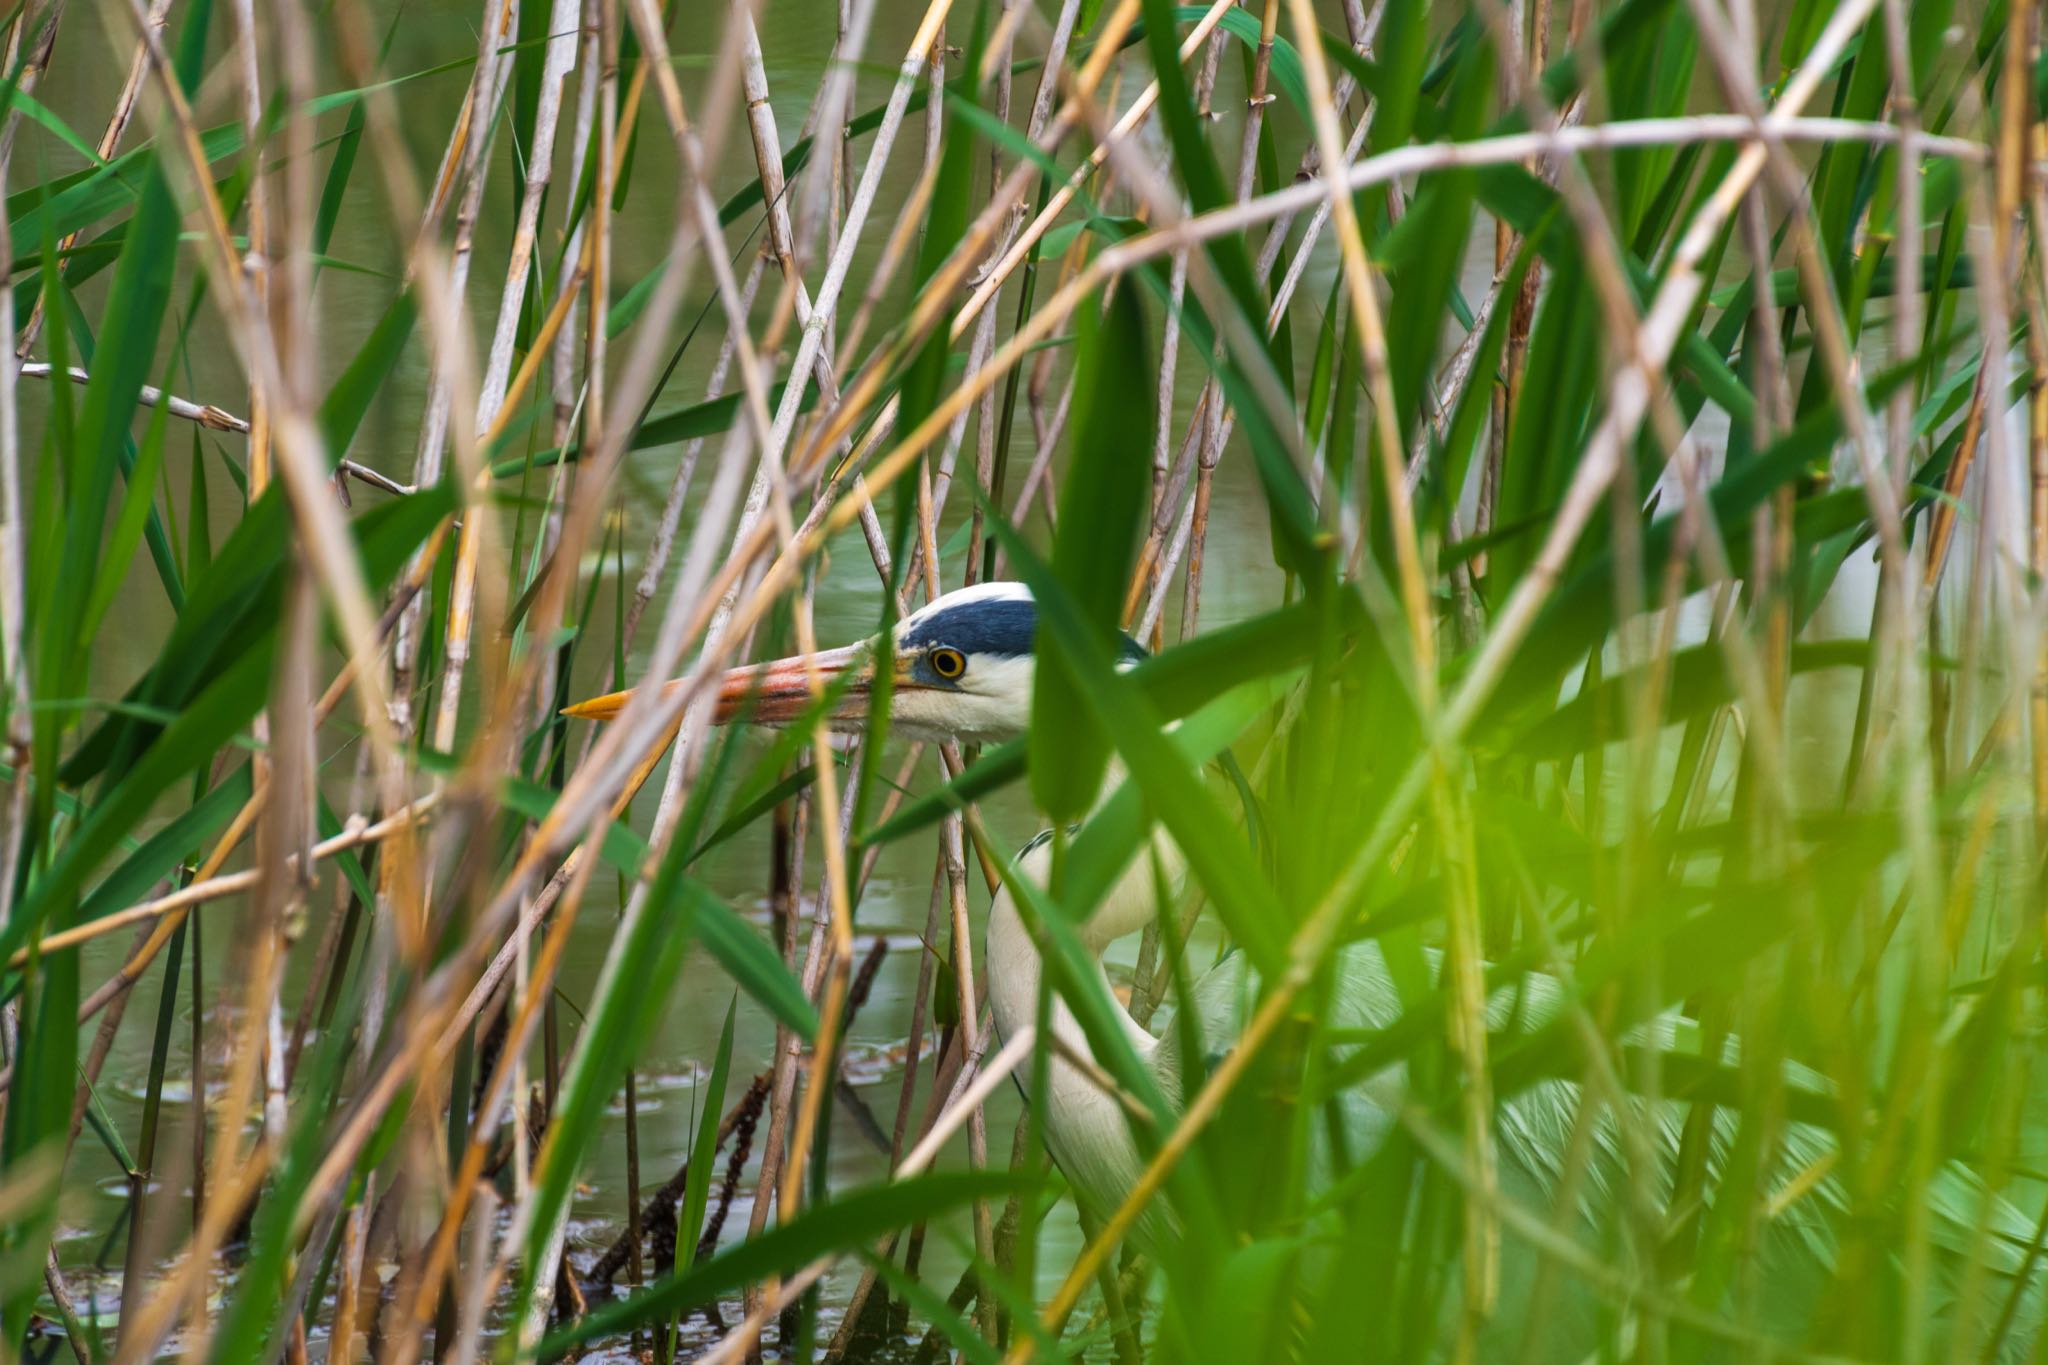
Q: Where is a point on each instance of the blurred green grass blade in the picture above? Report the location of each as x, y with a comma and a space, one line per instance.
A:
160, 550
1322, 395
350, 862
1453, 458
697, 1188
214, 717
198, 518
1249, 382
1102, 503
105, 190
1564, 370
238, 585
1253, 367
1109, 227
1116, 829
524, 111
334, 188
235, 605
38, 1124
1402, 54
1005, 138
797, 780
844, 1224
42, 115
1564, 77
1199, 172
1647, 75
1240, 1324
103, 1125
1438, 223
749, 960
994, 770
622, 848
1285, 69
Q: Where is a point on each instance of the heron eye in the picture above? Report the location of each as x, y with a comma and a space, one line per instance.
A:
948, 663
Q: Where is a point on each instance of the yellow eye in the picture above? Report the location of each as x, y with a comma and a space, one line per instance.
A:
947, 663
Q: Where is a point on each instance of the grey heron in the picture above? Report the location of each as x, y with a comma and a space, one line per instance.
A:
963, 669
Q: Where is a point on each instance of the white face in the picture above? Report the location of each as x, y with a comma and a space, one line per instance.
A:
951, 683
989, 703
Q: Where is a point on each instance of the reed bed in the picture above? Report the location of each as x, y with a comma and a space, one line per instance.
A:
1584, 466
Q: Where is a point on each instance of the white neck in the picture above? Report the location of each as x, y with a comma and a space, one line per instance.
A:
1085, 1125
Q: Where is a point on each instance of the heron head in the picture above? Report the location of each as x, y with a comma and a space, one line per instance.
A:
962, 669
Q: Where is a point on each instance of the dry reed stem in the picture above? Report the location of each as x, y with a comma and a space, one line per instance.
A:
826, 304
492, 406
768, 489
1139, 111
149, 396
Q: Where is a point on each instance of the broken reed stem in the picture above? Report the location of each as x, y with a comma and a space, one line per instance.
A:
205, 414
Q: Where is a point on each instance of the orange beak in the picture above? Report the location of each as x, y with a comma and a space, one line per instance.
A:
768, 694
